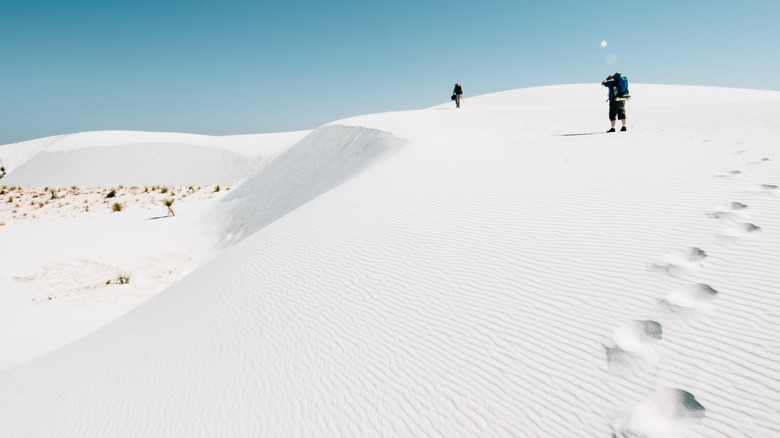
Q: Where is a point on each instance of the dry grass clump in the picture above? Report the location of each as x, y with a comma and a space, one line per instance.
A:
34, 203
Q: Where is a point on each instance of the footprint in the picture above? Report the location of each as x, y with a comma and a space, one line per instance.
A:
665, 413
687, 302
728, 211
681, 262
632, 346
731, 174
762, 188
736, 231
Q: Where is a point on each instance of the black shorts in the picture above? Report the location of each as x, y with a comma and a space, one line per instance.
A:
617, 109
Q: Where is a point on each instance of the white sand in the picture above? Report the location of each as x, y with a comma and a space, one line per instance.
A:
477, 272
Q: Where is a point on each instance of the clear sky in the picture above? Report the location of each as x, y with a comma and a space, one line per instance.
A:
237, 66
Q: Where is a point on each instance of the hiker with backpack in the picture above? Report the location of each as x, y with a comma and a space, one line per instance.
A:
456, 93
617, 85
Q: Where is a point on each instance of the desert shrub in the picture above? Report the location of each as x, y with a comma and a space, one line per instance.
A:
122, 279
117, 207
111, 193
169, 203
216, 189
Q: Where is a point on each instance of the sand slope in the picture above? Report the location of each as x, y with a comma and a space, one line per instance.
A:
508, 271
112, 158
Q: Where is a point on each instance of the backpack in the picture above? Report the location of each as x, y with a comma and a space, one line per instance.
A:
620, 87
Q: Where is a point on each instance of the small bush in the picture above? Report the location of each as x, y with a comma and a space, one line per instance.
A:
111, 193
169, 203
117, 207
122, 279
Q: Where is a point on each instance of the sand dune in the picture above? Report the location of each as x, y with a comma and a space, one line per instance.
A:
491, 275
111, 158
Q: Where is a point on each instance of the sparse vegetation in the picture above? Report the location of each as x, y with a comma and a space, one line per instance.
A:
169, 203
25, 203
122, 279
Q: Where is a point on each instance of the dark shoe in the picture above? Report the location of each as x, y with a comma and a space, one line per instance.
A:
623, 129
611, 130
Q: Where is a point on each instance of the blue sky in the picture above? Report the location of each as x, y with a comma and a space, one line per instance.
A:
235, 67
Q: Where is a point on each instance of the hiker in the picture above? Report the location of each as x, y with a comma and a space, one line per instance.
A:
617, 100
456, 93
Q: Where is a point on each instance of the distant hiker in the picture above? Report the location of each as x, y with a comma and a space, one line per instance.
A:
456, 93
617, 85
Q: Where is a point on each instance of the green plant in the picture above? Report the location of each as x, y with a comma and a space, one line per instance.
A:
169, 203
111, 193
122, 279
216, 189
117, 207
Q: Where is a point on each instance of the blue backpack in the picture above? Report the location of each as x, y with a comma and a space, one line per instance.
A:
620, 87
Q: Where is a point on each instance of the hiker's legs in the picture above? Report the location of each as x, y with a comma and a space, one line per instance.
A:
613, 112
457, 101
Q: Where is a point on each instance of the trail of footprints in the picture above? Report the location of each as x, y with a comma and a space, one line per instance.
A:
632, 348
